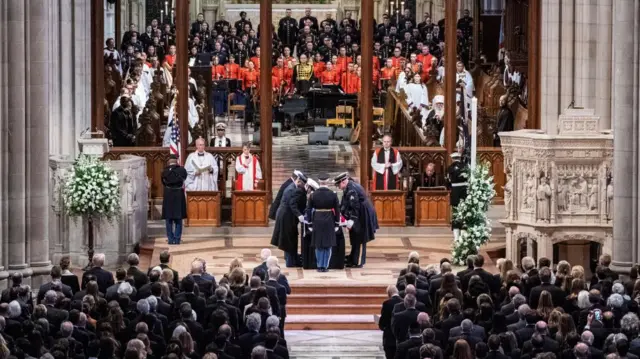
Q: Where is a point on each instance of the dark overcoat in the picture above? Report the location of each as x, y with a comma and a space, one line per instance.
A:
276, 201
357, 207
174, 202
285, 232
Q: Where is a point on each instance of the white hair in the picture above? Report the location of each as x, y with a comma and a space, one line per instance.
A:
254, 321
125, 288
177, 331
414, 255
143, 306
272, 261
265, 253
153, 303
98, 259
618, 288
272, 321
615, 300
583, 300
274, 272
14, 310
528, 263
197, 267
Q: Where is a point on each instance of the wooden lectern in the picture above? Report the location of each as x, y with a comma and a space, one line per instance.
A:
390, 207
203, 208
431, 207
249, 208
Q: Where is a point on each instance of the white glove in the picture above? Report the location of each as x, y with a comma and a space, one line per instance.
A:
337, 229
350, 223
301, 219
310, 229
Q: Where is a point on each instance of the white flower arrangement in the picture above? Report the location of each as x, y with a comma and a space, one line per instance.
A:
91, 190
472, 213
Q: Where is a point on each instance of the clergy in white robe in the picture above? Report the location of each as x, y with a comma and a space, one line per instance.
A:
193, 120
248, 170
401, 83
202, 170
386, 163
463, 76
417, 94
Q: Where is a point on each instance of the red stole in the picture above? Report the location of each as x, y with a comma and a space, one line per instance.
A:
240, 176
387, 180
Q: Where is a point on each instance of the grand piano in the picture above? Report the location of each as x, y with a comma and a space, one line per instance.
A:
319, 105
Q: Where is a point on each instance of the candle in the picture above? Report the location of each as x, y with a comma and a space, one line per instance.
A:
402, 7
398, 17
172, 15
166, 7
474, 131
162, 16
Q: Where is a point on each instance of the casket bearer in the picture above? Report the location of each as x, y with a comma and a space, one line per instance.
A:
285, 232
276, 202
457, 184
325, 215
386, 164
361, 218
202, 169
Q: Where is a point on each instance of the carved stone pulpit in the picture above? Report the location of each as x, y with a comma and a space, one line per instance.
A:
559, 187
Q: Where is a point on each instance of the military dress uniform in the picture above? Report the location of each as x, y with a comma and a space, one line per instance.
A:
302, 76
324, 211
288, 31
457, 184
361, 217
289, 214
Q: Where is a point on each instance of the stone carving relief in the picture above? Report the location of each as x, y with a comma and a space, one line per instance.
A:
527, 186
58, 178
508, 192
543, 196
577, 189
609, 198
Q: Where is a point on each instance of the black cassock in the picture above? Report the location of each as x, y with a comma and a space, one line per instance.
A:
276, 201
505, 124
323, 212
174, 203
285, 232
122, 125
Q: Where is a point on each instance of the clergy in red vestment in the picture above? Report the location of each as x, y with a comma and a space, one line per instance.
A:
248, 170
330, 76
386, 163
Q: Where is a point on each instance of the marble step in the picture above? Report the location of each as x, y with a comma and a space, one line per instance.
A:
336, 299
333, 309
331, 322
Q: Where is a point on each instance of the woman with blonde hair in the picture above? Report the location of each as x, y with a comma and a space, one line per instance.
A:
188, 345
577, 272
237, 263
237, 280
554, 321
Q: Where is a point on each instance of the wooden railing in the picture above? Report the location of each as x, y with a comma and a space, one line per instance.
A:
157, 158
404, 129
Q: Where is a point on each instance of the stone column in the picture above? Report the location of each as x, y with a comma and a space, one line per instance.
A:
4, 117
37, 124
625, 95
17, 140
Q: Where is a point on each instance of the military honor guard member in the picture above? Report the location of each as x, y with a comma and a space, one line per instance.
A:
220, 140
174, 203
324, 211
386, 163
360, 216
289, 215
457, 184
202, 169
248, 171
283, 187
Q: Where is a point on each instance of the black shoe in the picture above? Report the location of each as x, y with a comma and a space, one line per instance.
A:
325, 270
319, 270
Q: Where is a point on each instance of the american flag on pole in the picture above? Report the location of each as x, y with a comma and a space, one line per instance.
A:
174, 144
501, 39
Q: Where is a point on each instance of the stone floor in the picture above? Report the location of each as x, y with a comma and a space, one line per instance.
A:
293, 152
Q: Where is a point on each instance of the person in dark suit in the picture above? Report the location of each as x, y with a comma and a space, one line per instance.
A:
281, 291
162, 307
524, 334
494, 348
205, 286
174, 203
604, 261
233, 314
55, 316
271, 292
252, 336
557, 294
187, 295
401, 321
264, 254
55, 284
549, 344
463, 273
112, 291
436, 282
276, 202
414, 341
139, 277
103, 278
454, 319
488, 278
165, 258
145, 290
68, 278
465, 334
384, 323
421, 295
